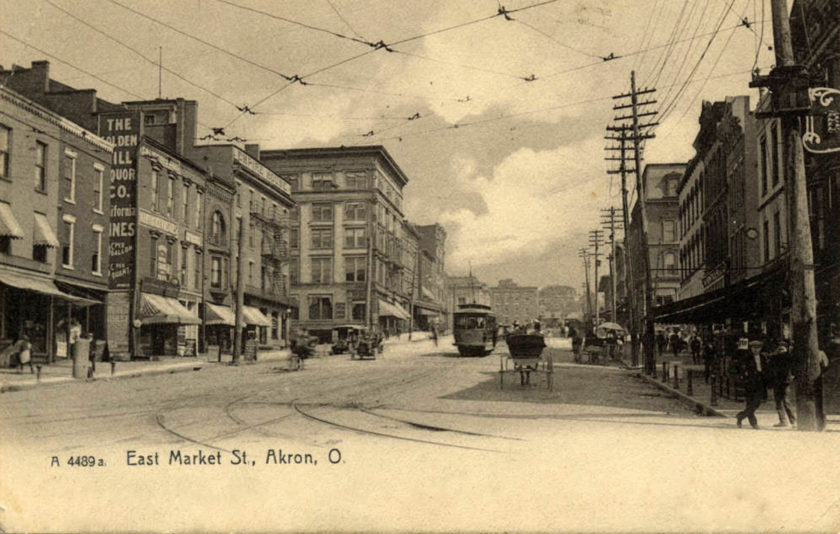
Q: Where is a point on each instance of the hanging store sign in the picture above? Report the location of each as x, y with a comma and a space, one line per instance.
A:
822, 126
123, 130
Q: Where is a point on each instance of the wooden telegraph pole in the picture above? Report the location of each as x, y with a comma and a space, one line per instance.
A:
583, 253
596, 239
608, 221
240, 292
634, 127
787, 81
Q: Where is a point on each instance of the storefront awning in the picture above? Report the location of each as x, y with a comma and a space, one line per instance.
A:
219, 315
43, 286
253, 316
156, 309
386, 308
424, 311
44, 235
428, 293
9, 226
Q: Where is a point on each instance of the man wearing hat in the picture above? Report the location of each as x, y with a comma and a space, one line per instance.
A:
752, 368
781, 378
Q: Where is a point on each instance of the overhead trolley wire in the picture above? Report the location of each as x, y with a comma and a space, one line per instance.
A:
564, 45
688, 50
344, 20
666, 54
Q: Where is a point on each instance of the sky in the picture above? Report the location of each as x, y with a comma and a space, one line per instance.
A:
498, 121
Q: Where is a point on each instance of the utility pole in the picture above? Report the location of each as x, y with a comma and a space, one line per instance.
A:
608, 221
785, 81
629, 286
596, 239
641, 197
240, 292
583, 253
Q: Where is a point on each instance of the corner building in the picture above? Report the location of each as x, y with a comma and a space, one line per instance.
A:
345, 237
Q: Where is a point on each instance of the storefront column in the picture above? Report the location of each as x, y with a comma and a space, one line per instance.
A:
50, 329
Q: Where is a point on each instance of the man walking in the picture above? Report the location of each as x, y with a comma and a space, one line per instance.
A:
781, 378
752, 367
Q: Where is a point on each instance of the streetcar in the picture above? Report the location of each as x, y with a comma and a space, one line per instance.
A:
475, 330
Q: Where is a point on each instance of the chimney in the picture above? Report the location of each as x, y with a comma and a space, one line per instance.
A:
253, 150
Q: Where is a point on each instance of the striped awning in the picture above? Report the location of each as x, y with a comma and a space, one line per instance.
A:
216, 314
386, 308
44, 235
9, 226
157, 309
254, 316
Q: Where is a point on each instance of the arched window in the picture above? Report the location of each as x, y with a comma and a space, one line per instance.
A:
217, 232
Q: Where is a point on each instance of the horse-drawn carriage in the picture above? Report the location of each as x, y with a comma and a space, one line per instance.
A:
526, 352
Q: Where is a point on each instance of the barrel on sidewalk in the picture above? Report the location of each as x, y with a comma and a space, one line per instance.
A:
81, 358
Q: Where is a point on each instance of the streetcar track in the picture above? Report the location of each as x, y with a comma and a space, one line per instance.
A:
435, 428
159, 419
386, 435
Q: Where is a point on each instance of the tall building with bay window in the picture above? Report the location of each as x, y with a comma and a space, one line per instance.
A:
346, 237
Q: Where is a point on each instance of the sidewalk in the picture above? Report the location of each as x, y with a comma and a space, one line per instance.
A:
701, 392
61, 372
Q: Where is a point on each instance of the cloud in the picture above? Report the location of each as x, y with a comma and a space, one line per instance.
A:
532, 199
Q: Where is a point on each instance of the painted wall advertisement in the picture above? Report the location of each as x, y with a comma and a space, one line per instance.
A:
123, 130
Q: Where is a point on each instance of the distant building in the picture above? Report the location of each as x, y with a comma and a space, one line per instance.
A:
512, 302
432, 300
557, 301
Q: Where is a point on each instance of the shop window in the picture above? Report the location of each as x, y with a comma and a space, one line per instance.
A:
320, 308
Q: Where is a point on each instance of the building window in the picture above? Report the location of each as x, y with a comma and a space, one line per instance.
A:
252, 231
359, 311
70, 176
320, 308
763, 162
250, 273
262, 206
322, 213
197, 266
321, 238
322, 181
218, 230
777, 231
185, 268
354, 269
294, 268
153, 256
354, 238
669, 233
294, 238
669, 262
170, 196
354, 211
96, 257
216, 272
251, 201
69, 226
98, 186
5, 136
185, 203
766, 241
40, 166
155, 183
774, 153
199, 198
294, 182
321, 270
356, 180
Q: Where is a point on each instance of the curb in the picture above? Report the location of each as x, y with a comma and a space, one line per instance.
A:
8, 388
698, 406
